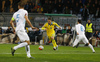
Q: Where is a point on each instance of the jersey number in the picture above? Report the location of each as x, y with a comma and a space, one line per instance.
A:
81, 28
17, 18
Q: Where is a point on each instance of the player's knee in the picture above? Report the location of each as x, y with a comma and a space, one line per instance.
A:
87, 44
28, 42
52, 38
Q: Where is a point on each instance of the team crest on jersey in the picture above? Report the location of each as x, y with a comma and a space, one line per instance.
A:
50, 27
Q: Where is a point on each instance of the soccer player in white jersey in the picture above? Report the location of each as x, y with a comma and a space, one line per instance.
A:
21, 16
80, 29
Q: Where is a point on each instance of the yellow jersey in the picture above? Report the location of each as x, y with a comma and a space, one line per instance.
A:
50, 28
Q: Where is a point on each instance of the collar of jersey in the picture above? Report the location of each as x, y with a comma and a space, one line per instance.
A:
21, 9
51, 23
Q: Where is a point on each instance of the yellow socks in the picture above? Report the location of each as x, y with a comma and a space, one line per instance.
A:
54, 43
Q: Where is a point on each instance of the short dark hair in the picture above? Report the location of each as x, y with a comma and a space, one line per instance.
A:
21, 4
79, 21
49, 18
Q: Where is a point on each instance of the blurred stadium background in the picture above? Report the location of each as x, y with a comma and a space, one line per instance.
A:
67, 13
79, 9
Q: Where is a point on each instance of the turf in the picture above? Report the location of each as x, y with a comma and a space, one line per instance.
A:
64, 54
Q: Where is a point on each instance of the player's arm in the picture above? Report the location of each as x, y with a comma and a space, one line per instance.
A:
83, 28
29, 23
12, 24
57, 25
44, 27
76, 27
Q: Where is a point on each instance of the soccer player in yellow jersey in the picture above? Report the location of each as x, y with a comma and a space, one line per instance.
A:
49, 27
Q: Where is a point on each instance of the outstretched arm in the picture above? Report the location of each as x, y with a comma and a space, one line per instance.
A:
44, 27
57, 25
29, 23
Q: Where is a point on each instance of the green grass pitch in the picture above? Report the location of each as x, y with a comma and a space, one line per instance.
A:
64, 54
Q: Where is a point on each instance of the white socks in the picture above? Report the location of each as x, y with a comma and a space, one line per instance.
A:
20, 45
27, 47
91, 47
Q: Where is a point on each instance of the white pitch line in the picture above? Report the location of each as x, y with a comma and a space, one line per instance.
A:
53, 53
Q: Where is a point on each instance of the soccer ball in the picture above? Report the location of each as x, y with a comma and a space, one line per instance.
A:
41, 47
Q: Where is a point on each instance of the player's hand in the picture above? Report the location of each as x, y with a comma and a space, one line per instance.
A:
14, 32
33, 27
77, 33
59, 27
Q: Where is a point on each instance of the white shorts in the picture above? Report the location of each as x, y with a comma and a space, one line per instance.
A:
23, 36
80, 38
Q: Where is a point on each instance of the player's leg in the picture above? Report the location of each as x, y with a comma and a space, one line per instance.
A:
54, 42
20, 35
76, 41
23, 38
27, 47
91, 47
49, 40
18, 46
25, 42
85, 40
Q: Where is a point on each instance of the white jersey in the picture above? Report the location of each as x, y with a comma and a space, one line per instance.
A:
80, 29
19, 17
81, 37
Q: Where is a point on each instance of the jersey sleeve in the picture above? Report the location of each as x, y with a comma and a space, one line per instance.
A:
44, 26
26, 13
56, 24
